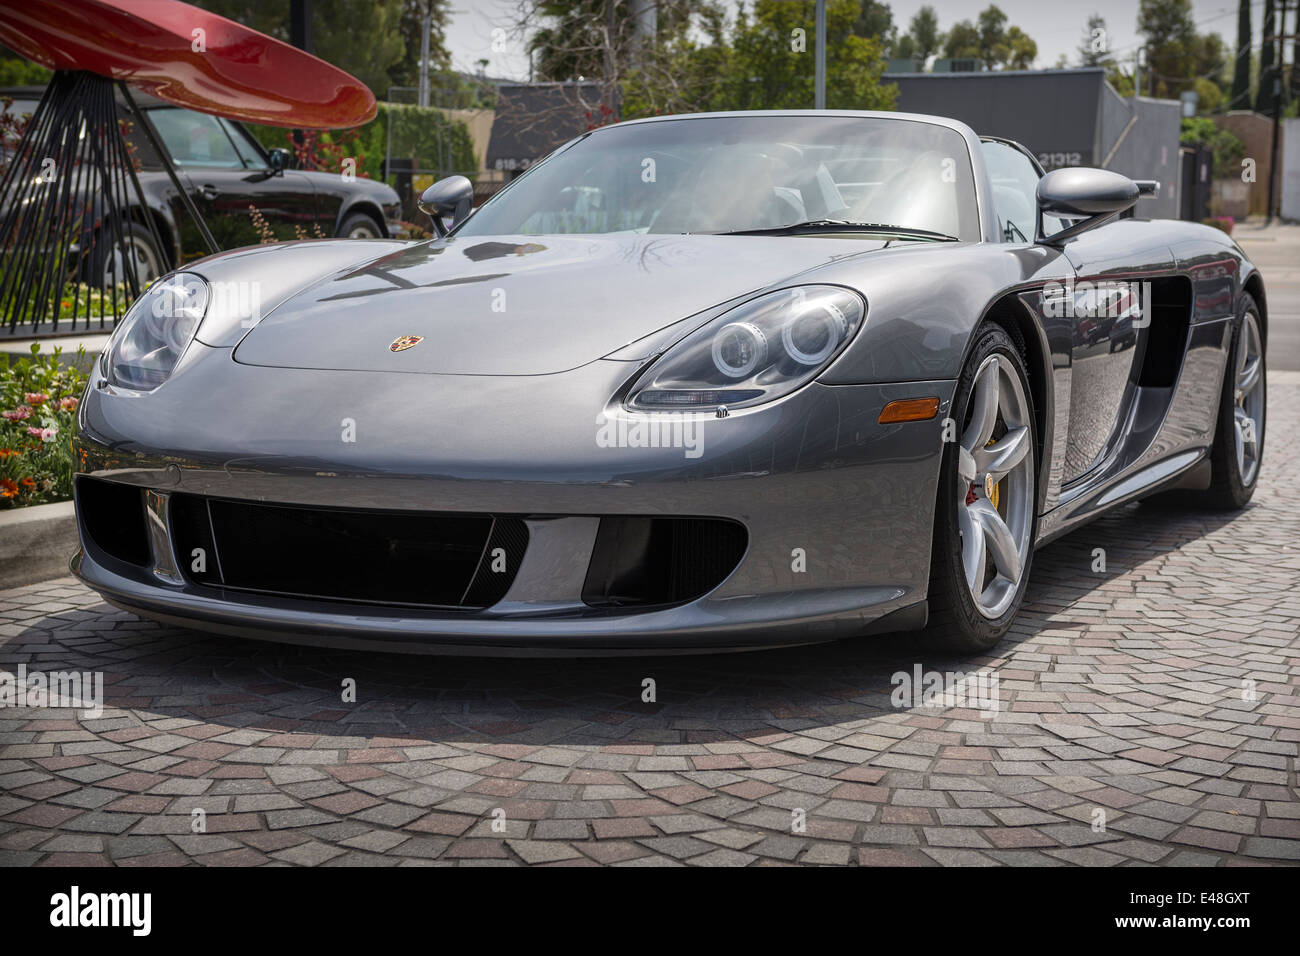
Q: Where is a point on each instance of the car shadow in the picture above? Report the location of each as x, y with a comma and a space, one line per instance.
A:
162, 672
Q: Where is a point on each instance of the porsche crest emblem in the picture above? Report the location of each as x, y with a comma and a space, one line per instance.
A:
404, 342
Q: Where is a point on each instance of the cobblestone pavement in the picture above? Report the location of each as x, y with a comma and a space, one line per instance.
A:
1122, 736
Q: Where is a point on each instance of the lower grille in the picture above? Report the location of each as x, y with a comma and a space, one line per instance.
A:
644, 562
419, 559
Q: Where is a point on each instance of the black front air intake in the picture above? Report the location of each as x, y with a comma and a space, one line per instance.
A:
112, 520
644, 562
418, 559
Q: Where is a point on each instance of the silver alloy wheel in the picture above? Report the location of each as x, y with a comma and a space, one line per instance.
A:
1248, 407
363, 230
995, 472
140, 253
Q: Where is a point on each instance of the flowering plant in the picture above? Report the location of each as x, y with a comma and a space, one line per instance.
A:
38, 415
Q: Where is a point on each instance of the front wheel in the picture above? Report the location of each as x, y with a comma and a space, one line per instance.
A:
359, 226
986, 511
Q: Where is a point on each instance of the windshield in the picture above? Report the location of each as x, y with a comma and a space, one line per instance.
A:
743, 172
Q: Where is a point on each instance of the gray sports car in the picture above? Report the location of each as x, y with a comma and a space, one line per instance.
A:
698, 382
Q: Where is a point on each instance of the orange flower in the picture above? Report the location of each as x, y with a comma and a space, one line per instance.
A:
28, 482
7, 488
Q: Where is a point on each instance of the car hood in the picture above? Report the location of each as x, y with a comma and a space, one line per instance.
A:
521, 305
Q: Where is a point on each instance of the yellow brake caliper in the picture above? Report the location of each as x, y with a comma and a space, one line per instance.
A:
997, 489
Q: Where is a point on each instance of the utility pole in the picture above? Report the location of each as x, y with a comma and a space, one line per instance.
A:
299, 36
426, 25
820, 98
1273, 171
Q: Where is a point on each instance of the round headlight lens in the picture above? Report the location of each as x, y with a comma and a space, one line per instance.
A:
739, 349
811, 336
156, 331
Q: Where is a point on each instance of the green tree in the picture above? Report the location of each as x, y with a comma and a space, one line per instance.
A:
924, 31
406, 71
364, 42
992, 27
962, 41
1228, 150
874, 19
681, 71
990, 41
1094, 50
1241, 70
15, 71
772, 69
1179, 59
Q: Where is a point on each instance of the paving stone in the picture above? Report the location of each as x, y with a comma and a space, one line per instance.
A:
1120, 693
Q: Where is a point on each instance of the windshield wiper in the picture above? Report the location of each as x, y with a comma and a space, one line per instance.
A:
840, 225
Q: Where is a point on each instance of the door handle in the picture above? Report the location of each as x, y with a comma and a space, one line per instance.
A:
209, 191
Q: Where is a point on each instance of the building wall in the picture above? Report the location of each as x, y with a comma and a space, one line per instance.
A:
1050, 112
1065, 117
479, 123
1141, 142
1291, 170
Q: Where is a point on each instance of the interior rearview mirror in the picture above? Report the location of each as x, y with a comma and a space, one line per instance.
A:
453, 197
1073, 192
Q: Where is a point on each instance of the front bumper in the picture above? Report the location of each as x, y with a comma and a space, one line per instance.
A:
838, 508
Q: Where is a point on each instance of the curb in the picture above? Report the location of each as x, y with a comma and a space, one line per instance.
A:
36, 543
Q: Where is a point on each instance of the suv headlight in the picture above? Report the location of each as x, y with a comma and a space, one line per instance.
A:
155, 332
754, 353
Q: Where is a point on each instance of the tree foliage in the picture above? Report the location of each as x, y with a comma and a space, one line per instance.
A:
700, 59
1178, 58
378, 43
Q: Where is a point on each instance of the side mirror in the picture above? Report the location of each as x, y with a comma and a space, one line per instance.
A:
453, 196
279, 159
1078, 191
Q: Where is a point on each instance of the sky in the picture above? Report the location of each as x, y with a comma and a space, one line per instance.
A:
1057, 26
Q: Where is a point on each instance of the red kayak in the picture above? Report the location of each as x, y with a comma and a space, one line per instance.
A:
189, 57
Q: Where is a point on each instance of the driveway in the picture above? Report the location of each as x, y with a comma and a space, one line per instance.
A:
1146, 714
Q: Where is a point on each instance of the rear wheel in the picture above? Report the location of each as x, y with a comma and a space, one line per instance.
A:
986, 511
1238, 448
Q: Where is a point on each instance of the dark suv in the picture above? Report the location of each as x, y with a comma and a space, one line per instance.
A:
242, 190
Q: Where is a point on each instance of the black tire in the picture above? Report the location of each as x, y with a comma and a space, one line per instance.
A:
101, 266
360, 222
1228, 490
955, 623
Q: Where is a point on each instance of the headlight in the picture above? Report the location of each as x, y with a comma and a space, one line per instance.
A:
156, 331
753, 353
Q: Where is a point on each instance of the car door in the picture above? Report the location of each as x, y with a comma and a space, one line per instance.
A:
290, 196
240, 198
1115, 265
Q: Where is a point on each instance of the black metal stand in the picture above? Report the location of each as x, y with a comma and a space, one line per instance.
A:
69, 201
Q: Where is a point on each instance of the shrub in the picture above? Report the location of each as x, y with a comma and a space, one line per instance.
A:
38, 402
